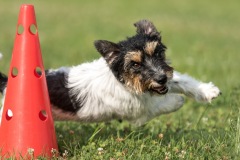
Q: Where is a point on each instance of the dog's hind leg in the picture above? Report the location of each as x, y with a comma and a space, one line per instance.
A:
202, 92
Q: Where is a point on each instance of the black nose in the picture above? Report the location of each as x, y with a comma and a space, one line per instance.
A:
162, 79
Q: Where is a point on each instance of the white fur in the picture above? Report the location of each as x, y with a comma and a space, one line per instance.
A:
202, 92
106, 98
1, 110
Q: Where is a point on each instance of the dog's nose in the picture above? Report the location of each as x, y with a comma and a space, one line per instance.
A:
162, 79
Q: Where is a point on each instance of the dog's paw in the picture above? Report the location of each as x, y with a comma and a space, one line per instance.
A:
179, 101
208, 92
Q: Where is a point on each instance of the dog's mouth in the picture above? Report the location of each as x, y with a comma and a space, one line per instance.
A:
160, 89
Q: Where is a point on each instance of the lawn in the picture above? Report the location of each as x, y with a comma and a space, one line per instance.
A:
203, 40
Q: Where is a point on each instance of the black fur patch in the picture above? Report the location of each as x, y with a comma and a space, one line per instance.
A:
3, 82
59, 93
137, 43
138, 62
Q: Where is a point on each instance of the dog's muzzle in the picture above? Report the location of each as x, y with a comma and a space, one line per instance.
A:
159, 85
162, 89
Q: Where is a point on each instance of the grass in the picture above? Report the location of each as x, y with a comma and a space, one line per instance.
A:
203, 40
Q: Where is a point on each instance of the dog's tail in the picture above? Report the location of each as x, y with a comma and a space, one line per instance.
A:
3, 79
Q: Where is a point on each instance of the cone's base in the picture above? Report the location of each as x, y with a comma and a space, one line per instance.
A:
29, 153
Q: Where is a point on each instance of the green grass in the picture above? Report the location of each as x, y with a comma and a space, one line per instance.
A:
203, 40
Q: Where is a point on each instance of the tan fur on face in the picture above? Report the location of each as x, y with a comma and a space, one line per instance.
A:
134, 56
150, 47
137, 85
134, 84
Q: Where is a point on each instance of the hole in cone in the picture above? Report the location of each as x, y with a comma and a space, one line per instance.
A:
43, 115
38, 72
20, 29
9, 114
33, 29
14, 72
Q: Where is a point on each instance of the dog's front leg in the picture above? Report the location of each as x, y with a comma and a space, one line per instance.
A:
202, 92
158, 105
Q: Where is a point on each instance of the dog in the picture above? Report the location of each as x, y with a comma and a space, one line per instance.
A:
132, 81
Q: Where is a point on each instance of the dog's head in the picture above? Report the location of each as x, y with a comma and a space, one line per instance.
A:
139, 61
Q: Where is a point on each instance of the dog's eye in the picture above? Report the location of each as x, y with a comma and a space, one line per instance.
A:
136, 65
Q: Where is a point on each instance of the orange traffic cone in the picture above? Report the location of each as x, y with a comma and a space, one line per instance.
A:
27, 127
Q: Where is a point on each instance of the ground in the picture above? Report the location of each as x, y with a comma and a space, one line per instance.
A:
202, 39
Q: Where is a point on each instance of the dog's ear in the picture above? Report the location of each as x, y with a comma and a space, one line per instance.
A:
108, 50
146, 27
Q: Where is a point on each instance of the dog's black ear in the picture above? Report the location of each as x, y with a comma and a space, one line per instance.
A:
108, 50
146, 27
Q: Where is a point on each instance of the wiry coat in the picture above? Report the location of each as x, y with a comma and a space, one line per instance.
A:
133, 82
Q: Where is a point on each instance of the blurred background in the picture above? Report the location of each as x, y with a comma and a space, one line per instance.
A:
202, 38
